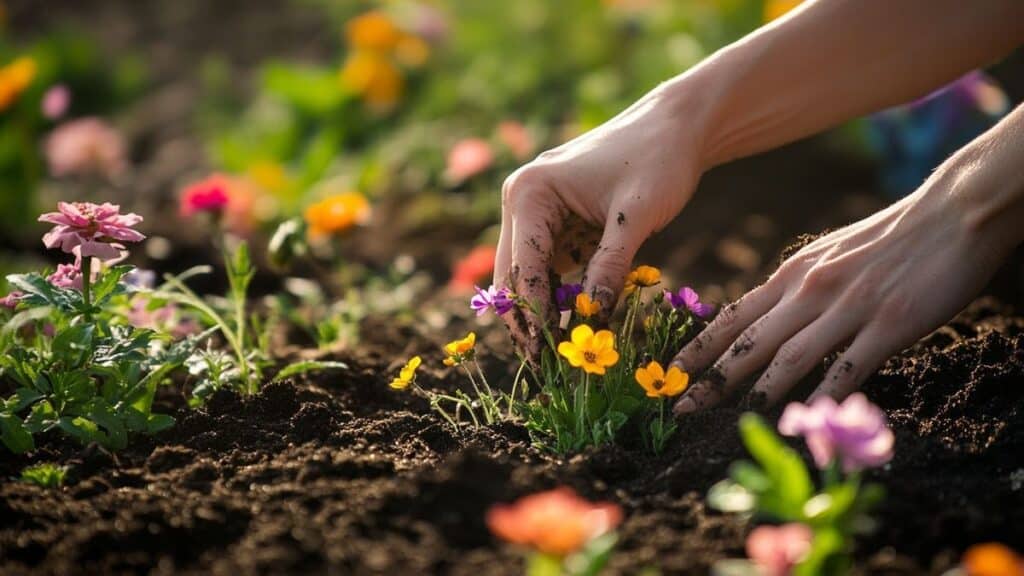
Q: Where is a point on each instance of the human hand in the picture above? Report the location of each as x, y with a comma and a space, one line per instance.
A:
596, 198
877, 286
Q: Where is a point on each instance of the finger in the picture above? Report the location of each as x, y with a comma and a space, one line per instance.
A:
575, 244
868, 353
610, 264
799, 355
749, 352
713, 341
503, 255
535, 221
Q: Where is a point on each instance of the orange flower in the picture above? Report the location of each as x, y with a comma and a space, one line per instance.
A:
374, 77
657, 383
556, 522
586, 306
641, 277
777, 8
372, 30
412, 51
337, 214
992, 559
14, 79
476, 266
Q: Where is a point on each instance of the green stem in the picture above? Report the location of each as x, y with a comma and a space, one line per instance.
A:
86, 281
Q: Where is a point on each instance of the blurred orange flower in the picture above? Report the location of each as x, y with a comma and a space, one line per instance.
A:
412, 51
14, 79
468, 158
517, 138
337, 214
992, 559
556, 522
777, 8
374, 77
473, 268
372, 30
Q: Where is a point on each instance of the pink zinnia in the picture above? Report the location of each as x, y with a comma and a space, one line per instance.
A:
855, 431
209, 195
56, 101
468, 158
66, 276
86, 229
778, 549
85, 146
517, 138
11, 300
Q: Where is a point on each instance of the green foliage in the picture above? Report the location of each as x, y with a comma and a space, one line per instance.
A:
44, 475
78, 368
778, 486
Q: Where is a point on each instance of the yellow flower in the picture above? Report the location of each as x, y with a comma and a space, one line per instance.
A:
14, 79
407, 375
590, 351
777, 8
658, 384
412, 51
337, 214
271, 176
459, 350
641, 277
374, 77
372, 30
586, 306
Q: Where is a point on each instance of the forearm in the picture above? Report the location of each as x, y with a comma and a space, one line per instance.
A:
837, 59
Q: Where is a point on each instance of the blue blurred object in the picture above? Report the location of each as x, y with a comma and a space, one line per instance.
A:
912, 140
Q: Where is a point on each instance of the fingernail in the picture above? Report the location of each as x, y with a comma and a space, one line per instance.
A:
685, 405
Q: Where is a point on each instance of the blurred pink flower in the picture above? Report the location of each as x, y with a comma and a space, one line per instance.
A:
468, 158
474, 267
854, 431
777, 549
66, 276
11, 300
209, 195
166, 318
429, 23
517, 138
56, 101
85, 146
86, 229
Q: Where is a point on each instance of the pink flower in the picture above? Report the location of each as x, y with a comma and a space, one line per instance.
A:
777, 549
11, 300
85, 146
688, 298
517, 138
468, 158
166, 318
56, 101
209, 195
854, 431
66, 276
86, 229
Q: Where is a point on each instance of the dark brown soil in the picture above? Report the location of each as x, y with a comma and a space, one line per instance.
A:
340, 475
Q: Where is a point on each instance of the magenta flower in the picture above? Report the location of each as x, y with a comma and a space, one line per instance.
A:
85, 229
210, 195
855, 431
66, 276
688, 298
778, 549
56, 101
11, 300
565, 296
493, 298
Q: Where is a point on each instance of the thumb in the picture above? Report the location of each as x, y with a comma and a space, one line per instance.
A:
610, 264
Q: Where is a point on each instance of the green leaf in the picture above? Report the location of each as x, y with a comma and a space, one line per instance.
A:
790, 480
21, 399
71, 347
826, 557
297, 368
594, 556
14, 434
158, 423
37, 291
82, 429
314, 91
729, 496
46, 475
116, 434
108, 284
749, 476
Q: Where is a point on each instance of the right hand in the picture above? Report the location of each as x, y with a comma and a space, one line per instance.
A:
594, 200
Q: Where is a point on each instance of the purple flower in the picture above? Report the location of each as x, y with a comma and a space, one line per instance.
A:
493, 298
565, 296
688, 298
66, 276
854, 431
11, 300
